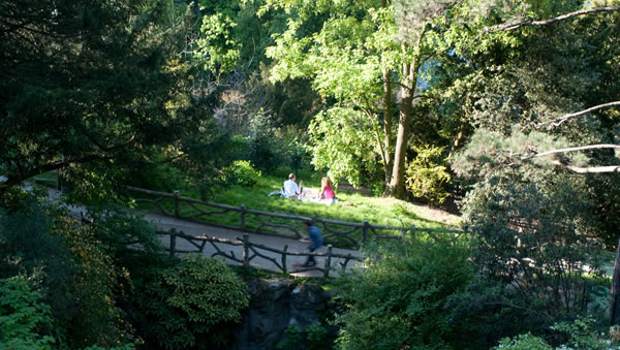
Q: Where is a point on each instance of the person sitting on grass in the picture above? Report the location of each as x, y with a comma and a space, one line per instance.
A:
327, 194
290, 189
316, 242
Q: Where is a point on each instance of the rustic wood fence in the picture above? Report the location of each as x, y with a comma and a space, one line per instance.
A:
338, 233
248, 253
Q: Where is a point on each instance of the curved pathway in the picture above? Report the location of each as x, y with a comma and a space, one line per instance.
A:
166, 223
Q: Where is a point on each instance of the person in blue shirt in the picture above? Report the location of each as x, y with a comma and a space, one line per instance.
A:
316, 241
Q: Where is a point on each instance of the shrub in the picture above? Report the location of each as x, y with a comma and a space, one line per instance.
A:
427, 175
77, 275
537, 236
580, 335
313, 337
398, 301
240, 172
192, 304
24, 317
523, 342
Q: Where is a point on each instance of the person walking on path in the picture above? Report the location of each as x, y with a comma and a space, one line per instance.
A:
316, 242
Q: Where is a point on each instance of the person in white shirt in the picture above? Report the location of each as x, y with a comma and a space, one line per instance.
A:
291, 190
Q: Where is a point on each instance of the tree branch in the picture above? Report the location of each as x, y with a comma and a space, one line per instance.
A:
564, 118
589, 170
516, 25
572, 149
576, 169
16, 179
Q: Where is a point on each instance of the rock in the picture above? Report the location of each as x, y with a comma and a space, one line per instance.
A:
276, 304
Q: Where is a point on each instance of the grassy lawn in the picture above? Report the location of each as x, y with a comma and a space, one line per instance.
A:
350, 206
353, 207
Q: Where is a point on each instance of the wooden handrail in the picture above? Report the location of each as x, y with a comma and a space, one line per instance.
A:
267, 213
248, 246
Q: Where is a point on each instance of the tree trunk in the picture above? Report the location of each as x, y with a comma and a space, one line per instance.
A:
397, 182
387, 126
614, 306
407, 90
387, 123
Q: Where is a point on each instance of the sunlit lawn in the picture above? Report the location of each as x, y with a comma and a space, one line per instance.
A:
349, 207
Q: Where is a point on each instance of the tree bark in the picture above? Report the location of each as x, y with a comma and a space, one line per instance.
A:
387, 126
397, 182
614, 306
387, 122
407, 90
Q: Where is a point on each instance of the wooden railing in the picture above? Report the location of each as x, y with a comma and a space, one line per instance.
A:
338, 233
249, 253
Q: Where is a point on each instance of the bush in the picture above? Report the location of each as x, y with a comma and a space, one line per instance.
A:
240, 172
314, 337
398, 301
194, 304
580, 335
523, 342
77, 275
24, 318
427, 175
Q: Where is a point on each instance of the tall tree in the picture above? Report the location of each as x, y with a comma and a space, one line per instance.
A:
85, 82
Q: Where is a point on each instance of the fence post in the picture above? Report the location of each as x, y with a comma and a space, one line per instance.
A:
173, 241
328, 261
246, 250
365, 231
242, 217
284, 269
176, 204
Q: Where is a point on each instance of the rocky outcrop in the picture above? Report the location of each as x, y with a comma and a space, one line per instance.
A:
275, 305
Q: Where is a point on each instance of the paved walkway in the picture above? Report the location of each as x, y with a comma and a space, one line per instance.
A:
166, 223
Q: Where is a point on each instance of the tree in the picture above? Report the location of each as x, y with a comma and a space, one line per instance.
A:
84, 82
353, 55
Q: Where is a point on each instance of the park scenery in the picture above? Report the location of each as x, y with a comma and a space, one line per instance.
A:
310, 174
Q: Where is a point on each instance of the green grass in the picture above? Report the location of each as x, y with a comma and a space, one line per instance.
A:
350, 207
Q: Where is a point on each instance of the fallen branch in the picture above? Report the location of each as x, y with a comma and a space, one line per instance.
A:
516, 25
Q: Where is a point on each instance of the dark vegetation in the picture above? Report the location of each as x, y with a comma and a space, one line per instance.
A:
474, 102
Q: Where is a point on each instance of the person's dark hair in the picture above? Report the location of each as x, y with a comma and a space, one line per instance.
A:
291, 176
308, 222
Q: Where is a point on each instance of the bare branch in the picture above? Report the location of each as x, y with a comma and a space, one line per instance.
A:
590, 170
516, 25
572, 149
564, 118
576, 169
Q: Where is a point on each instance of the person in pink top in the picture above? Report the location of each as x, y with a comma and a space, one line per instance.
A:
327, 194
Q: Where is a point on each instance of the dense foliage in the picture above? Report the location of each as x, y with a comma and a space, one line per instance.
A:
192, 304
508, 108
25, 321
400, 301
